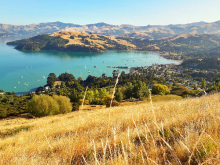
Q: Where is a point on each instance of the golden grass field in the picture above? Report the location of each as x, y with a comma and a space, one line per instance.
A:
94, 39
183, 132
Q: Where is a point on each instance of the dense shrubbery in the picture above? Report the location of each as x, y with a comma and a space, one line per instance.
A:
40, 42
11, 104
160, 89
45, 105
64, 103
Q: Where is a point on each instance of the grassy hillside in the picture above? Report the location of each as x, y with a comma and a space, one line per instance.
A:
191, 45
185, 44
175, 132
72, 41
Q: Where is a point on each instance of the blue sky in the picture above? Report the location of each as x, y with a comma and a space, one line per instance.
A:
135, 12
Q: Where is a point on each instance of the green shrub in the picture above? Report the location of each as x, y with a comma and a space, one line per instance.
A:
43, 105
64, 103
3, 112
114, 103
160, 89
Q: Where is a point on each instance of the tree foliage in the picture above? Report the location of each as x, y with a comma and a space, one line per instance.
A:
44, 105
160, 89
118, 95
64, 103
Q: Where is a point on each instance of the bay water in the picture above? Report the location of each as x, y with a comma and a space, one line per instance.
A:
18, 68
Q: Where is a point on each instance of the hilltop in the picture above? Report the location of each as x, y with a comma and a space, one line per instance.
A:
148, 32
72, 41
179, 132
180, 44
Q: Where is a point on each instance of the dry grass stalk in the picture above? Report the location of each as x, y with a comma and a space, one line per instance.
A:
84, 97
134, 137
114, 90
195, 146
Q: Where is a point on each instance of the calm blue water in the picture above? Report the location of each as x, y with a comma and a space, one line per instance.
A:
33, 66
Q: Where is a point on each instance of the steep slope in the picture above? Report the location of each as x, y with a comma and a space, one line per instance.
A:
178, 132
72, 41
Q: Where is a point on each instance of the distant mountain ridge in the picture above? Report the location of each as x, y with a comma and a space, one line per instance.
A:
147, 32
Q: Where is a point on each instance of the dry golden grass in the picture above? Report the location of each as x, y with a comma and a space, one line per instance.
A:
174, 132
92, 38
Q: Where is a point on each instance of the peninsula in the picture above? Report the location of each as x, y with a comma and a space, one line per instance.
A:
72, 42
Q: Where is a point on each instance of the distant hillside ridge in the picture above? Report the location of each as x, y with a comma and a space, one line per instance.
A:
73, 42
148, 32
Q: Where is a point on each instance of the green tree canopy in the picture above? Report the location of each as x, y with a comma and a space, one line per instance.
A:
43, 105
160, 89
64, 103
118, 95
51, 79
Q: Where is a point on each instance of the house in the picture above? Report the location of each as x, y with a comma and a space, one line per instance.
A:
2, 93
47, 88
57, 84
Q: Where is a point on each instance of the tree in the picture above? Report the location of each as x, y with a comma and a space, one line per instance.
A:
118, 95
73, 95
203, 84
115, 73
160, 89
90, 96
51, 79
104, 76
103, 93
140, 90
64, 103
63, 85
66, 77
129, 90
3, 111
2, 91
43, 105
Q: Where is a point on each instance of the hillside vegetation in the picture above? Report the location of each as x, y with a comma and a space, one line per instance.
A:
72, 41
174, 132
187, 44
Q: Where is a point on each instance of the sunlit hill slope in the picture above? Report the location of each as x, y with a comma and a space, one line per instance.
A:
175, 132
73, 42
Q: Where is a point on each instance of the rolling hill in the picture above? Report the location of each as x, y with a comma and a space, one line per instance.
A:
72, 41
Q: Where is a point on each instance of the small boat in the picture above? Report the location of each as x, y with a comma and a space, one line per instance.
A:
25, 84
95, 66
18, 82
76, 70
14, 87
133, 59
85, 67
21, 77
100, 70
38, 80
67, 70
43, 76
103, 61
88, 71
